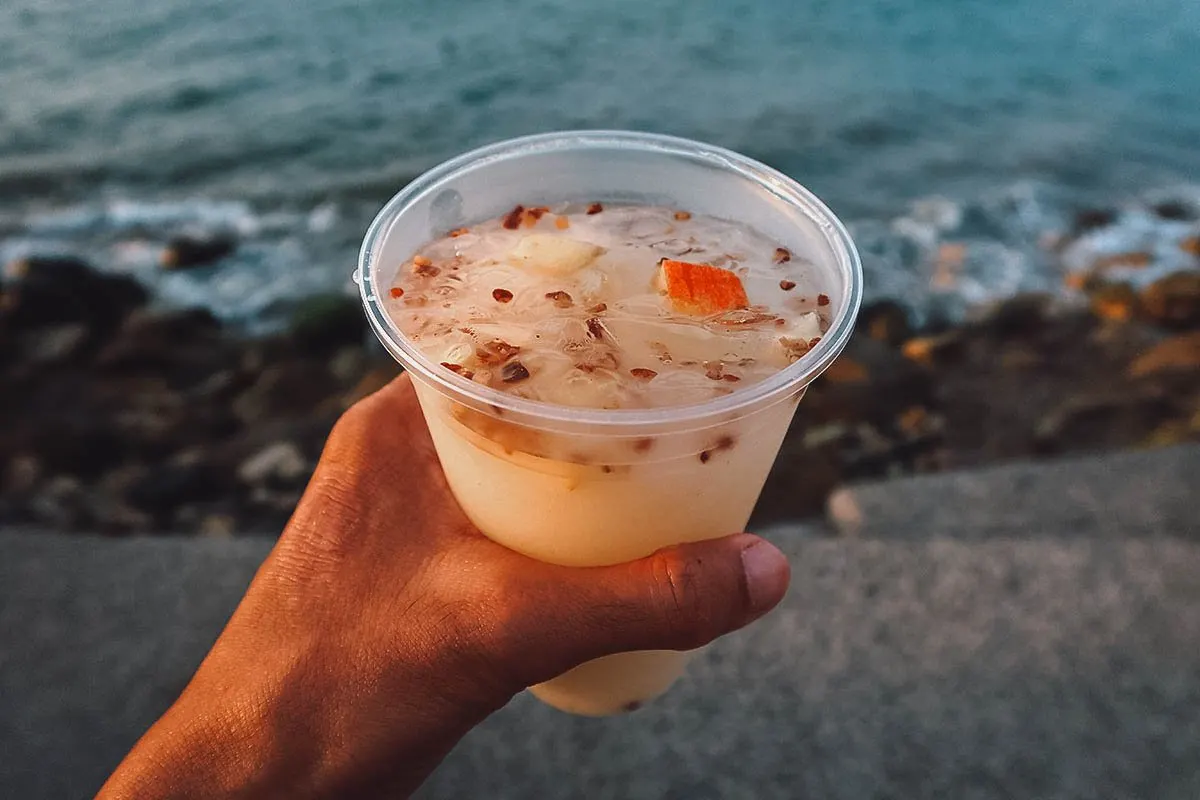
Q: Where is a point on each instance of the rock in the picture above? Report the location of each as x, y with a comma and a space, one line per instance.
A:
846, 370
348, 365
1136, 259
280, 463
290, 388
61, 503
327, 322
928, 350
1103, 420
1092, 218
47, 291
161, 489
1174, 301
1016, 315
1178, 210
885, 321
1179, 353
21, 474
217, 526
56, 345
1191, 245
1115, 302
187, 251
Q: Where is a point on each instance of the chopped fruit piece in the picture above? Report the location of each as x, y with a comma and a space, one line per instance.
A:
782, 255
553, 253
822, 299
787, 286
513, 371
562, 223
397, 292
682, 215
512, 220
502, 295
702, 289
595, 208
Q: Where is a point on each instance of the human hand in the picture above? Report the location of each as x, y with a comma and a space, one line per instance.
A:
383, 626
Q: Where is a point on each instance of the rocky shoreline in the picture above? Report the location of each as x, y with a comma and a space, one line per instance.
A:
118, 418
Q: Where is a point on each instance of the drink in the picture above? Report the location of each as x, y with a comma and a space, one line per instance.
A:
589, 403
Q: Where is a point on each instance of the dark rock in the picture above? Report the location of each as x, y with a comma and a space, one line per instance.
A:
326, 322
277, 464
21, 474
1177, 354
1106, 419
1174, 301
1115, 302
167, 486
1092, 218
62, 503
1174, 210
187, 251
47, 291
290, 388
939, 348
885, 321
1016, 315
57, 345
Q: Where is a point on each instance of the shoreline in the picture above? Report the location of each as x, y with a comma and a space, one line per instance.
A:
119, 418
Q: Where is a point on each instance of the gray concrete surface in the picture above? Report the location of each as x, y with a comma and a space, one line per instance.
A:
1121, 494
1040, 662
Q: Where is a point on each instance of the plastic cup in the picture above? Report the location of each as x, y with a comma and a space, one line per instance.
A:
590, 487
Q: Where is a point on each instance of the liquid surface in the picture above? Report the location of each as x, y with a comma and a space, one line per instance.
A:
570, 305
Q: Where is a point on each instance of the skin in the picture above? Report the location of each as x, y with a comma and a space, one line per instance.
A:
383, 626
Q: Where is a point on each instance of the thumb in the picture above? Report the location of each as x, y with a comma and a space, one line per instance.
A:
679, 598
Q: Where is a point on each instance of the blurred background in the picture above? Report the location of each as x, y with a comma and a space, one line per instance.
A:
184, 187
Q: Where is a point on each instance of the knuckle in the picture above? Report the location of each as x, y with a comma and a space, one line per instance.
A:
678, 590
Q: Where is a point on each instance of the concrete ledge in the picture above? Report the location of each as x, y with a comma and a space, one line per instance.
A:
1049, 667
1122, 495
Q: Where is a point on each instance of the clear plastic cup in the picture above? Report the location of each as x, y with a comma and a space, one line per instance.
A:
589, 487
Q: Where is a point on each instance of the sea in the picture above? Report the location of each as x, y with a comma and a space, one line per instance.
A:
972, 130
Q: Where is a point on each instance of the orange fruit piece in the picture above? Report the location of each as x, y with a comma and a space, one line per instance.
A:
702, 289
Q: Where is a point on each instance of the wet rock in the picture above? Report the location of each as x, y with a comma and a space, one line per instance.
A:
21, 474
1102, 420
160, 490
1177, 354
1090, 219
280, 463
1136, 259
185, 251
885, 321
1178, 210
1174, 301
1191, 246
291, 388
217, 526
62, 503
44, 291
1115, 302
327, 322
1016, 315
930, 350
57, 345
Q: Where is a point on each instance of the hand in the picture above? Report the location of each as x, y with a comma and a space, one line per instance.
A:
383, 626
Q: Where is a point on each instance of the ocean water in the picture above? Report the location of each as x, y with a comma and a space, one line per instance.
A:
922, 123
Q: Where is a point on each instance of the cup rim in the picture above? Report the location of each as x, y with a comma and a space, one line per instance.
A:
549, 415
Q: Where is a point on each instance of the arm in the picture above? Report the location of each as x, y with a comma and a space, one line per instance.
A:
383, 627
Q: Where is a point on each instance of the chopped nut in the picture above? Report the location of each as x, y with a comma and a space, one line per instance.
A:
780, 322
459, 369
457, 232
782, 255
512, 220
562, 223
660, 350
595, 328
813, 341
822, 299
595, 208
794, 348
513, 371
396, 291
425, 268
787, 286
643, 374
560, 299
599, 308
683, 215
502, 295
496, 350
714, 370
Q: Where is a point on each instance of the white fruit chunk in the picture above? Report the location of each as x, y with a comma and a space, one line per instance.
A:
553, 254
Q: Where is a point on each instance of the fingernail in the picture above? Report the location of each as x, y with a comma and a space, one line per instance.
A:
767, 574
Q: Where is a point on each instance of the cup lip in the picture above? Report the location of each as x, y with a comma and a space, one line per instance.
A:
549, 415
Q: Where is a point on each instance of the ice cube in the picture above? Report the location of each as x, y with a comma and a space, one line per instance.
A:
551, 253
